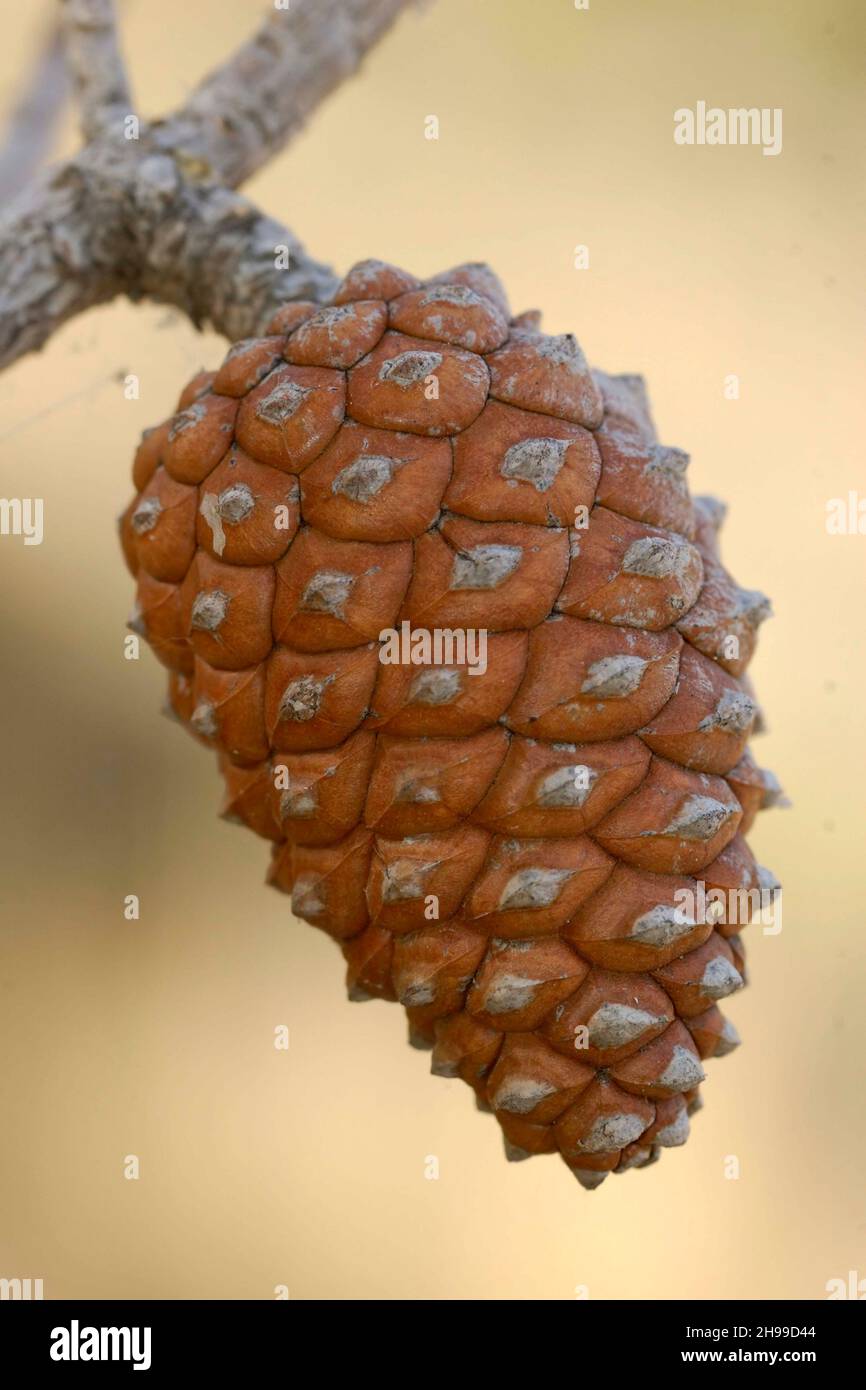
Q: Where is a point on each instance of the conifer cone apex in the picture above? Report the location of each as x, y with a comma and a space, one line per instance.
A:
539, 849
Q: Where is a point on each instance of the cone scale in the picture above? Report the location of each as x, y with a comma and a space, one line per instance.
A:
464, 645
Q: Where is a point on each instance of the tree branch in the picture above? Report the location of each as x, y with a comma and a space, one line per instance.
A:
97, 227
49, 267
246, 110
95, 62
212, 253
156, 217
32, 120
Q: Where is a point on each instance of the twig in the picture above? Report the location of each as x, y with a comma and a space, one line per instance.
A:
95, 62
91, 231
32, 120
247, 110
156, 217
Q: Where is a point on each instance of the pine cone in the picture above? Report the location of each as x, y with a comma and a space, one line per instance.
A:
501, 832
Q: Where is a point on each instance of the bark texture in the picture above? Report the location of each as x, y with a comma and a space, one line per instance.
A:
150, 210
95, 64
31, 121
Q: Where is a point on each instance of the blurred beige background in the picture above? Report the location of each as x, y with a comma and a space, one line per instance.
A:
155, 1038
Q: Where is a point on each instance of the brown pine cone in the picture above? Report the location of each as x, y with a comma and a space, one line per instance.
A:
470, 659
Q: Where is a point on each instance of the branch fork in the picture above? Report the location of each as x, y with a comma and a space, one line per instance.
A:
158, 216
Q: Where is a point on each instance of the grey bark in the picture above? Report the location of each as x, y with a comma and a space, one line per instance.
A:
156, 217
32, 120
95, 64
261, 97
